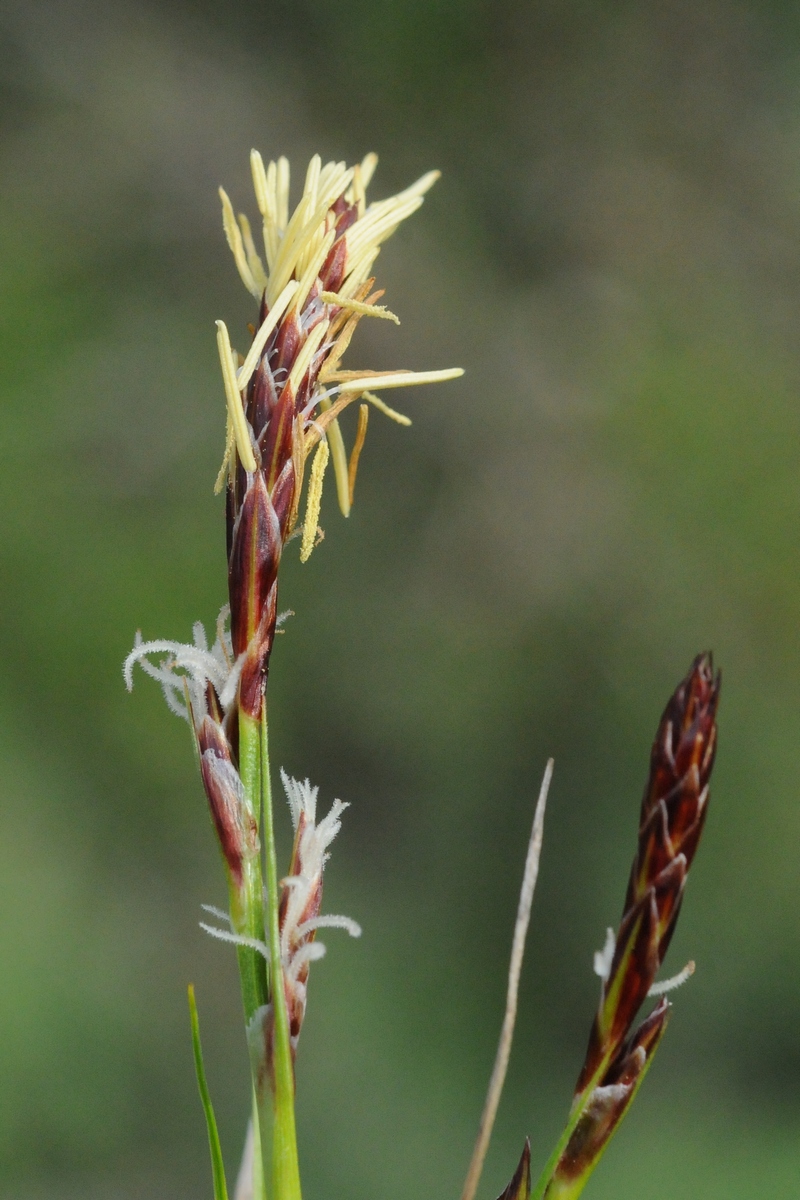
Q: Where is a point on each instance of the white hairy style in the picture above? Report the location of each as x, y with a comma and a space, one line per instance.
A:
602, 967
302, 798
310, 858
675, 981
188, 668
603, 958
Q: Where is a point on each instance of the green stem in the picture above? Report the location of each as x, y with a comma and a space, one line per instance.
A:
561, 1145
576, 1112
285, 1166
247, 902
259, 1183
247, 918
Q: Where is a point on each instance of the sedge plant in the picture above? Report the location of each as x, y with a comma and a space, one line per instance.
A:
312, 284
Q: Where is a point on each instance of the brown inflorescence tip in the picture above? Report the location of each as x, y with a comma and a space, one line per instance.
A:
673, 813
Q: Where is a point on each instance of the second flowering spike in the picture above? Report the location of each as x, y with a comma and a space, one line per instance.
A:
672, 817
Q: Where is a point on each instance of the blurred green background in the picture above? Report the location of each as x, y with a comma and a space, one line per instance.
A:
613, 254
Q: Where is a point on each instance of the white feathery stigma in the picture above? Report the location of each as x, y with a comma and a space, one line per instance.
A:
187, 668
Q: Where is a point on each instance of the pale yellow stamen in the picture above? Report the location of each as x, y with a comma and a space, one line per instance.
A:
399, 379
253, 260
361, 433
303, 233
357, 385
368, 164
309, 277
376, 226
381, 219
358, 191
313, 501
358, 270
262, 336
312, 180
332, 361
230, 442
265, 188
366, 310
260, 180
241, 431
234, 236
282, 193
303, 360
339, 457
392, 413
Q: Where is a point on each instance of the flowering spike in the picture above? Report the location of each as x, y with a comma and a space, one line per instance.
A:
301, 895
672, 815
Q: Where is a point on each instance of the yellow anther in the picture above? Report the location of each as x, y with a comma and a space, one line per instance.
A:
253, 261
313, 269
361, 433
303, 360
313, 501
282, 193
396, 379
366, 310
339, 457
224, 470
234, 236
312, 180
368, 164
260, 184
241, 430
392, 413
358, 270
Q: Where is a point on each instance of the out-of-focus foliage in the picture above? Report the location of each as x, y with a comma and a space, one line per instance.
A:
614, 255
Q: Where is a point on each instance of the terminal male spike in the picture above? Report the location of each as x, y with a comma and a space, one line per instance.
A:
285, 397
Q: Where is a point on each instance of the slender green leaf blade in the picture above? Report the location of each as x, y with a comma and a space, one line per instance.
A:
217, 1166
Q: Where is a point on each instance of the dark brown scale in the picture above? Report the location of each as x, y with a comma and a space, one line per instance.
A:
252, 680
262, 396
227, 812
346, 219
333, 269
253, 563
288, 342
276, 442
283, 497
309, 382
